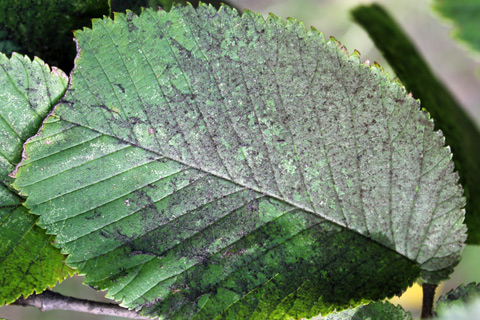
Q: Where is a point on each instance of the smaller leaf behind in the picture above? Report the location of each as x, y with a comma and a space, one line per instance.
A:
458, 297
28, 261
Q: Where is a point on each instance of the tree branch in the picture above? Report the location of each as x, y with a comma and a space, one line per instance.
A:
49, 300
428, 295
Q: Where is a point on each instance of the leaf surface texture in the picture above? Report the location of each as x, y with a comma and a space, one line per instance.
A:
208, 165
460, 131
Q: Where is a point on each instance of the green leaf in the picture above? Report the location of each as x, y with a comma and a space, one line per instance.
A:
28, 261
458, 298
461, 133
373, 311
464, 16
204, 164
44, 29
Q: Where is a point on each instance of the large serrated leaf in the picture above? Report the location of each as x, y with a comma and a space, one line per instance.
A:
28, 261
205, 164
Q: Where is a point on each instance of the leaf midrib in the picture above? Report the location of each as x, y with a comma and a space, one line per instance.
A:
217, 175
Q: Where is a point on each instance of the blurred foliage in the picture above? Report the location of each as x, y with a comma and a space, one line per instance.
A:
8, 45
43, 28
465, 16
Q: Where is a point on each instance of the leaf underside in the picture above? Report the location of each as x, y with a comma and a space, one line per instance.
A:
232, 166
28, 261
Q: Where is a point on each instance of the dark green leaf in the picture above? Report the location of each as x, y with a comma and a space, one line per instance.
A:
217, 165
460, 131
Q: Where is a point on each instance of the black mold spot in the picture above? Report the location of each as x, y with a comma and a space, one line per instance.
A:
95, 215
131, 27
120, 87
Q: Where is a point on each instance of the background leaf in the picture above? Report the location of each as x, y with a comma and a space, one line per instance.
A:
458, 298
232, 165
7, 45
28, 261
373, 310
44, 28
464, 16
461, 133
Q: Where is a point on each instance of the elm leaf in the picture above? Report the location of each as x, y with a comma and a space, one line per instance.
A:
206, 165
28, 261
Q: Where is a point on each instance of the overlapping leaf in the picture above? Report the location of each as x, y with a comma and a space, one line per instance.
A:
205, 164
28, 261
